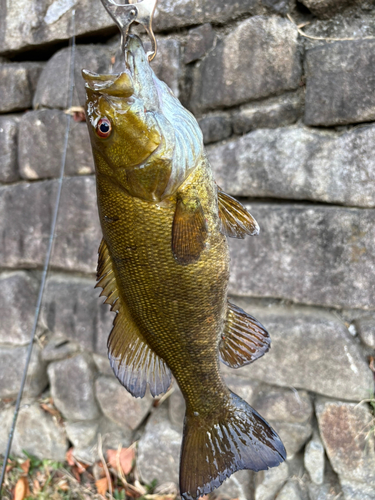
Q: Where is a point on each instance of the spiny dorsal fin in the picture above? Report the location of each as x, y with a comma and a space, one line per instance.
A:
132, 360
243, 340
189, 231
236, 221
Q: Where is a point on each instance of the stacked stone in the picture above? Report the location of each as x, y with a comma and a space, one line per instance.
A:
288, 121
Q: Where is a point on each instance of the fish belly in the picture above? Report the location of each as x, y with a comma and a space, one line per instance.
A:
180, 309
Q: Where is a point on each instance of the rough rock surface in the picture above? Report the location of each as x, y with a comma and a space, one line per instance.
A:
59, 348
299, 163
312, 350
8, 148
18, 297
200, 41
26, 238
269, 113
32, 424
308, 254
239, 485
269, 45
17, 85
347, 433
41, 146
215, 127
119, 405
72, 387
12, 363
366, 330
167, 65
159, 449
269, 482
326, 8
53, 86
314, 459
334, 93
290, 413
72, 309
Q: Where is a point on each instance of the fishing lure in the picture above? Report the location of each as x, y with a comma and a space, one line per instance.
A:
164, 264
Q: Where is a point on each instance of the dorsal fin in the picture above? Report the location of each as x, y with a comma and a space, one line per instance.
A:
236, 221
134, 363
189, 231
243, 340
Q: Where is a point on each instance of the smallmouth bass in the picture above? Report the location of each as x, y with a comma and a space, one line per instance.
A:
164, 267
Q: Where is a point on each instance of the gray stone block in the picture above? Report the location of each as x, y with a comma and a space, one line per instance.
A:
59, 348
17, 85
12, 364
26, 230
73, 310
348, 436
299, 163
119, 405
335, 95
18, 297
36, 432
159, 449
312, 350
324, 9
54, 83
366, 330
308, 254
238, 486
354, 490
258, 59
72, 387
314, 459
41, 146
27, 24
200, 40
290, 413
8, 149
269, 482
290, 491
270, 113
215, 127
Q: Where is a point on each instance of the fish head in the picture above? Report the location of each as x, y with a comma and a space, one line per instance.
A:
140, 133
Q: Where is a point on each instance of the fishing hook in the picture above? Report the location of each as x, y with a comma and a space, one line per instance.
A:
132, 12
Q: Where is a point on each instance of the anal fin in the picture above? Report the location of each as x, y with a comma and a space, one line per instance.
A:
189, 232
243, 340
236, 221
134, 363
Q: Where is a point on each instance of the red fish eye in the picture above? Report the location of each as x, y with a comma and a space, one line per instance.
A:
104, 128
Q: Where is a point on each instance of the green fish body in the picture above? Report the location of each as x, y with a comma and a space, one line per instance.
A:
164, 268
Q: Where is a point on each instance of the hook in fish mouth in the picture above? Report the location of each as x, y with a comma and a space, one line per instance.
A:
131, 12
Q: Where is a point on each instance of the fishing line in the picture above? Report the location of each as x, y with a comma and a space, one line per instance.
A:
48, 256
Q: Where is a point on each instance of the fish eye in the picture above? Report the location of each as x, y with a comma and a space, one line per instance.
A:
104, 128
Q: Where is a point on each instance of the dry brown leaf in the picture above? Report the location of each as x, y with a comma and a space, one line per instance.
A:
36, 487
25, 466
125, 457
102, 486
63, 485
22, 489
69, 457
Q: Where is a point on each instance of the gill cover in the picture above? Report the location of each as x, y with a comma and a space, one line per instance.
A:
155, 143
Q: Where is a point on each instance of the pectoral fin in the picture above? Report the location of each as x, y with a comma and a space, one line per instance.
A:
243, 340
189, 231
236, 221
132, 360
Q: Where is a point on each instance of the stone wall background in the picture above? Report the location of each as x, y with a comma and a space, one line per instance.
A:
289, 125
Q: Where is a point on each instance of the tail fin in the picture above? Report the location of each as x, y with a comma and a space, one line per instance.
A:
239, 438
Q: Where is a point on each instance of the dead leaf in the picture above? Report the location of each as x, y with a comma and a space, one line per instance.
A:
69, 457
63, 485
26, 466
36, 487
22, 489
124, 457
76, 473
372, 364
102, 486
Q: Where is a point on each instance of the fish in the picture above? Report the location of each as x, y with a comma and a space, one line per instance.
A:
163, 266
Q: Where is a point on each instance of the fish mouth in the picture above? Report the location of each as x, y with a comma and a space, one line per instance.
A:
136, 79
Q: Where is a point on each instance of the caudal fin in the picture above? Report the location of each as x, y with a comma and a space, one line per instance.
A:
239, 438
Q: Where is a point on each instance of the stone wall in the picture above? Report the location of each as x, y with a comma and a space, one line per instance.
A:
289, 125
